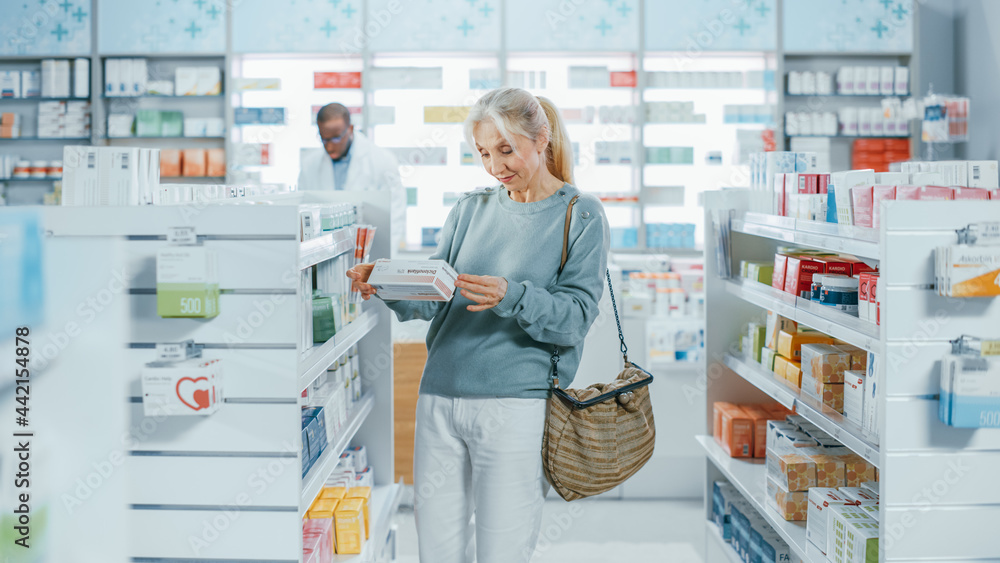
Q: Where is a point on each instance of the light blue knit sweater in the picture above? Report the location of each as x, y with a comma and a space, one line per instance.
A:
505, 351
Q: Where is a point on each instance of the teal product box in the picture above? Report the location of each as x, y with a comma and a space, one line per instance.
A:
148, 123
324, 319
172, 124
313, 422
307, 460
624, 237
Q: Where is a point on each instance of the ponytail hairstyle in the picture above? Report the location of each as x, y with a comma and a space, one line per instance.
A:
517, 112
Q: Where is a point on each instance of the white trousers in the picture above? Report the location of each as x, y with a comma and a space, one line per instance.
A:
478, 481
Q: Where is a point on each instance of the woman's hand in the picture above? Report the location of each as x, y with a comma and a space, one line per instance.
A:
486, 291
359, 278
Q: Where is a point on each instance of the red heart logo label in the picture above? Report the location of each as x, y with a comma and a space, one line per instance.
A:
194, 396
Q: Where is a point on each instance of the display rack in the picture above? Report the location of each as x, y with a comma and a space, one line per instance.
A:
916, 450
237, 473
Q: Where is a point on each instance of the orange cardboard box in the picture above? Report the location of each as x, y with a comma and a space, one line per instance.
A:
792, 470
760, 415
790, 345
830, 470
859, 357
793, 506
216, 165
170, 163
737, 431
857, 470
826, 363
193, 163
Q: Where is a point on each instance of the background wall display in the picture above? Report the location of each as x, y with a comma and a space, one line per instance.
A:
45, 27
711, 25
558, 25
165, 26
435, 25
842, 26
300, 26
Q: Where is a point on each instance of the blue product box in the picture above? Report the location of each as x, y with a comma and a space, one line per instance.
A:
430, 236
306, 458
831, 204
272, 116
246, 116
314, 415
755, 542
624, 237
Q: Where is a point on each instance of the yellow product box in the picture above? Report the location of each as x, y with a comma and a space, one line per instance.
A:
857, 470
791, 470
349, 525
825, 363
322, 508
333, 493
365, 494
792, 506
793, 374
780, 366
775, 325
790, 344
829, 470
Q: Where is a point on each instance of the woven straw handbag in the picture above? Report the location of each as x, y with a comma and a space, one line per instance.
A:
596, 438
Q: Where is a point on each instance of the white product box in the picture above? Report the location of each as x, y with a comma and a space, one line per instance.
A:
186, 81
874, 78
215, 126
81, 78
854, 396
310, 223
424, 280
209, 81
120, 125
140, 77
843, 182
824, 83
191, 387
112, 73
836, 530
891, 179
10, 84
887, 82
62, 78
809, 82
80, 175
865, 122
870, 423
49, 78
794, 82
119, 173
195, 127
360, 456
247, 84
126, 68
160, 87
902, 81
927, 179
817, 524
849, 122
981, 174
858, 495
31, 83
845, 80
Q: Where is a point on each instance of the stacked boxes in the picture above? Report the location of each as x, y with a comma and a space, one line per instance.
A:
823, 367
64, 119
10, 125
109, 175
741, 430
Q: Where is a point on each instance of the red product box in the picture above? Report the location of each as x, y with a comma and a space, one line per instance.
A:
809, 183
336, 80
924, 193
995, 194
836, 266
970, 193
880, 193
778, 277
858, 267
799, 273
823, 181
875, 302
864, 280
861, 201
625, 79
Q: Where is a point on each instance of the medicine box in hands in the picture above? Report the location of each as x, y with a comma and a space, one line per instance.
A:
190, 387
416, 280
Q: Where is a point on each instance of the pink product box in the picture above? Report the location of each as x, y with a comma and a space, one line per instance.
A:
995, 194
880, 193
925, 193
861, 200
971, 193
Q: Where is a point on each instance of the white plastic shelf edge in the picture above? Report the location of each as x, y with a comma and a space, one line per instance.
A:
330, 245
858, 241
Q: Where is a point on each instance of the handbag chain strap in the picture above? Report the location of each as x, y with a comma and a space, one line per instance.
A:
565, 255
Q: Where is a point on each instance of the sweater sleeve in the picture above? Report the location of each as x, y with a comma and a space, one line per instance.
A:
562, 314
427, 310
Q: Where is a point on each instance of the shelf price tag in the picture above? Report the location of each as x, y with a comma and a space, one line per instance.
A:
176, 351
181, 236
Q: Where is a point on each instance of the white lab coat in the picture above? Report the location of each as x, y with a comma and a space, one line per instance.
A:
371, 168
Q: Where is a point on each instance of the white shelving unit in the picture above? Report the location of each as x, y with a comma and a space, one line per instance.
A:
936, 481
230, 486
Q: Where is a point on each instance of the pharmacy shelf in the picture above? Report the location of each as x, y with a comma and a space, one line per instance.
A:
385, 503
847, 136
313, 482
315, 360
715, 535
183, 179
44, 138
656, 251
859, 54
748, 476
330, 245
41, 99
47, 179
164, 97
845, 95
135, 138
859, 241
813, 410
825, 319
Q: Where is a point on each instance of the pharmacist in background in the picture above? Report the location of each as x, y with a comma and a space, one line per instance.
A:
348, 160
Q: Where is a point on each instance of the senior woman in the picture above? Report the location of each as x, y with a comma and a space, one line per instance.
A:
478, 478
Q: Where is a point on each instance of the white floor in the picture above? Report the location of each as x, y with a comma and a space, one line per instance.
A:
601, 531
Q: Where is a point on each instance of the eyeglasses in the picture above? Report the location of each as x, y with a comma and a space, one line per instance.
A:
333, 140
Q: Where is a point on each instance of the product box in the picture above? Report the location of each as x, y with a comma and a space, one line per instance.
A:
870, 424
317, 540
981, 173
835, 265
857, 471
790, 344
970, 193
854, 396
189, 387
778, 275
830, 469
187, 282
799, 272
365, 494
825, 363
859, 357
333, 493
427, 280
837, 524
780, 365
209, 81
792, 506
969, 271
831, 394
349, 525
861, 542
817, 523
843, 183
760, 417
723, 495
861, 200
924, 193
186, 81
193, 163
858, 495
215, 162
767, 357
790, 469
737, 430
170, 163
970, 391
793, 374
360, 456
756, 332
